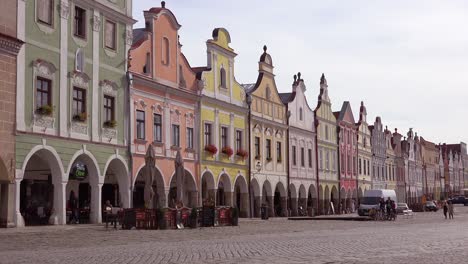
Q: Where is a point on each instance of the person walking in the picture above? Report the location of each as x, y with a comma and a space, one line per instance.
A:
450, 209
445, 206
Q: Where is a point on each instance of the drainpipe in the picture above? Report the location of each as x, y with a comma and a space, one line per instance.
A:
339, 167
129, 139
249, 117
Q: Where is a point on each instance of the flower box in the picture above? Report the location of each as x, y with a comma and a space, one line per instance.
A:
242, 153
45, 110
227, 151
80, 117
211, 148
110, 124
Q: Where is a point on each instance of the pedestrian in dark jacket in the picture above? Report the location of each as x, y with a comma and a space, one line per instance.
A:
445, 206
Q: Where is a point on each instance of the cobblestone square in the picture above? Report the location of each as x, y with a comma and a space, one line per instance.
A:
425, 238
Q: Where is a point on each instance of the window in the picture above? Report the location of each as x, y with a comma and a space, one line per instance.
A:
108, 108
334, 160
222, 78
368, 167
320, 159
300, 113
140, 119
365, 141
175, 135
294, 159
157, 128
360, 168
354, 165
207, 134
43, 92
165, 51
268, 93
79, 61
257, 147
147, 66
79, 101
278, 151
80, 22
189, 137
350, 165
302, 158
310, 157
268, 149
342, 162
45, 11
327, 160
111, 35
326, 132
224, 137
238, 140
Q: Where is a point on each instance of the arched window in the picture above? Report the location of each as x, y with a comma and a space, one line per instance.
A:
79, 61
222, 78
300, 113
165, 51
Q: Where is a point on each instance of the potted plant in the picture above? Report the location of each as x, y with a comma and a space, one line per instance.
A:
81, 117
193, 218
44, 110
242, 153
234, 216
227, 151
161, 219
211, 149
110, 124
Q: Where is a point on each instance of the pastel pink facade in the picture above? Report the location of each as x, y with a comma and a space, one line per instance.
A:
164, 98
347, 145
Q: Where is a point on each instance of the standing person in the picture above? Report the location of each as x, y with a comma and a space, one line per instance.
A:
450, 209
73, 202
445, 206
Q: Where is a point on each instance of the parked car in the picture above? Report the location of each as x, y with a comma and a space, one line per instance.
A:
430, 206
402, 208
459, 200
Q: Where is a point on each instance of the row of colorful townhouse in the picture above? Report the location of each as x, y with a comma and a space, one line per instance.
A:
86, 98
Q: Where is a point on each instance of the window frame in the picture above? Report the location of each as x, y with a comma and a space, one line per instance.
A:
175, 135
222, 78
208, 134
51, 14
141, 124
78, 101
224, 136
294, 156
309, 152
107, 108
239, 137
82, 24
190, 138
278, 151
268, 148
257, 147
48, 92
157, 126
114, 35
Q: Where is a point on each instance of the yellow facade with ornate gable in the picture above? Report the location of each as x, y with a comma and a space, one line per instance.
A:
224, 131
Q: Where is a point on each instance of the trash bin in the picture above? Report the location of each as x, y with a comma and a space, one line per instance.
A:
264, 212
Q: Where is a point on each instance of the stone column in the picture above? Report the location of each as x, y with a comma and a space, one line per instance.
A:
59, 214
96, 203
166, 200
11, 205
19, 220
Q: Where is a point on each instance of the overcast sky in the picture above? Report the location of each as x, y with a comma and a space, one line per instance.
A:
407, 60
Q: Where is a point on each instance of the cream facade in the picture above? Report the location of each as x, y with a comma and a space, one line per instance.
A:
268, 139
302, 150
364, 153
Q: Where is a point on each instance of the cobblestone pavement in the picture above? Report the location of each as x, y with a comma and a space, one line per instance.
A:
425, 238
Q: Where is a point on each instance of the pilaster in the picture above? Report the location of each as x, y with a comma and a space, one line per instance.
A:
63, 101
20, 68
96, 89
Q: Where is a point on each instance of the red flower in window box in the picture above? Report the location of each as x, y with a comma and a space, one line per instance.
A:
211, 148
242, 153
228, 151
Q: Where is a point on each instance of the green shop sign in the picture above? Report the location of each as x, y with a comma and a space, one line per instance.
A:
79, 172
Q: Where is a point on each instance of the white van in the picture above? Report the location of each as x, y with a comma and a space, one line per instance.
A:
371, 200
